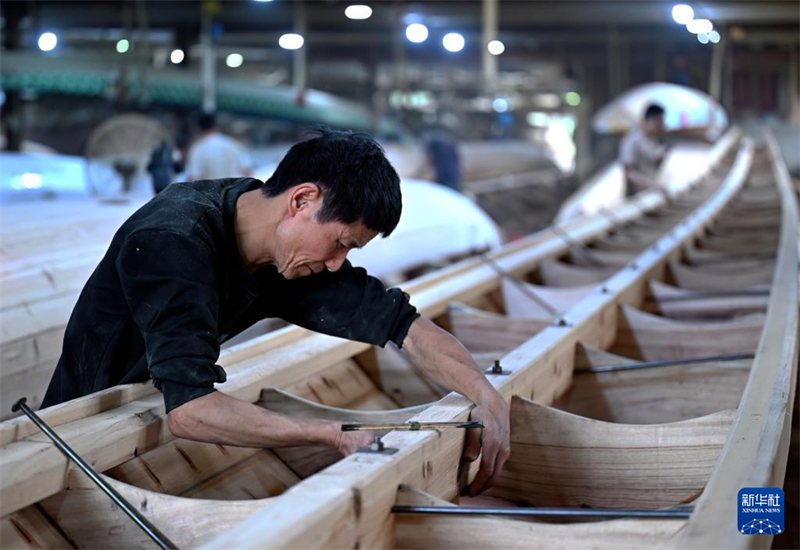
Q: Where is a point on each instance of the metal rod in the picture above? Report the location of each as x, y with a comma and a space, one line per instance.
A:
616, 223
152, 531
667, 363
681, 512
732, 258
573, 245
709, 294
520, 285
410, 426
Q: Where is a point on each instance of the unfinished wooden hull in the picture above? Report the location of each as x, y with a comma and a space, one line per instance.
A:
599, 450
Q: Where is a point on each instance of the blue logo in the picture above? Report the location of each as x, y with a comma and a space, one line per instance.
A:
761, 511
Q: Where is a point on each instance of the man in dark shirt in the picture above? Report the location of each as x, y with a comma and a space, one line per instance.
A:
205, 260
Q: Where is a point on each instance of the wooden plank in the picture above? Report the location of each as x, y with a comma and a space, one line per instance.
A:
563, 460
650, 396
649, 337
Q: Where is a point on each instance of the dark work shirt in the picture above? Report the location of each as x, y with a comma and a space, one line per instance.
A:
172, 287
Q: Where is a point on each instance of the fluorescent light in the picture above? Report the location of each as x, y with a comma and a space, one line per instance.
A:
234, 60
47, 41
358, 11
453, 42
177, 56
291, 41
572, 98
417, 32
714, 36
263, 0
702, 38
682, 13
123, 46
496, 47
699, 26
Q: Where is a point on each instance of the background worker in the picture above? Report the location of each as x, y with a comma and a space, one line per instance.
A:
215, 155
204, 260
642, 151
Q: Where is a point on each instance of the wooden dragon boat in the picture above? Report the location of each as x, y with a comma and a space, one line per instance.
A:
636, 436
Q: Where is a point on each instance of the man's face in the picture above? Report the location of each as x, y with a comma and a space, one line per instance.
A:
654, 126
305, 246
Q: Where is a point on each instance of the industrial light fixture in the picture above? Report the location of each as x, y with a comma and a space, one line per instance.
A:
496, 47
47, 41
500, 105
177, 56
702, 38
291, 41
699, 26
234, 60
714, 36
358, 11
453, 42
123, 46
417, 32
573, 99
682, 13
263, 1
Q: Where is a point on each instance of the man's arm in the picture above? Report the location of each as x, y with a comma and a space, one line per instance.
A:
444, 359
641, 180
220, 418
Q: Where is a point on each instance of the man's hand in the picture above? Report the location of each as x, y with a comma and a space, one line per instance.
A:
493, 440
349, 442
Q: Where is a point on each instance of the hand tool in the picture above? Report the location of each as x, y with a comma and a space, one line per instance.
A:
412, 426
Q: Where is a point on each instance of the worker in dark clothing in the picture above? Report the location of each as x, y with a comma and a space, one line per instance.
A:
444, 158
162, 167
202, 261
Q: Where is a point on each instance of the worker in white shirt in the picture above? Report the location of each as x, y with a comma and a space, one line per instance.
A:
215, 155
642, 152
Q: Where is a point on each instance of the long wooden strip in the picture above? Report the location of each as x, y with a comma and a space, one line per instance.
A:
757, 448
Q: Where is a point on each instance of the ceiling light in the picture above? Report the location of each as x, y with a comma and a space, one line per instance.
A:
496, 47
702, 38
47, 41
291, 41
234, 60
453, 42
714, 36
123, 46
699, 26
263, 0
358, 11
682, 13
177, 56
417, 32
500, 105
572, 98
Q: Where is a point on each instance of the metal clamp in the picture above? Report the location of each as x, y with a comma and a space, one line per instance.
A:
377, 447
497, 369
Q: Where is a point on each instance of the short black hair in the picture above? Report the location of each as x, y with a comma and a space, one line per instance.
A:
653, 110
207, 121
357, 180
